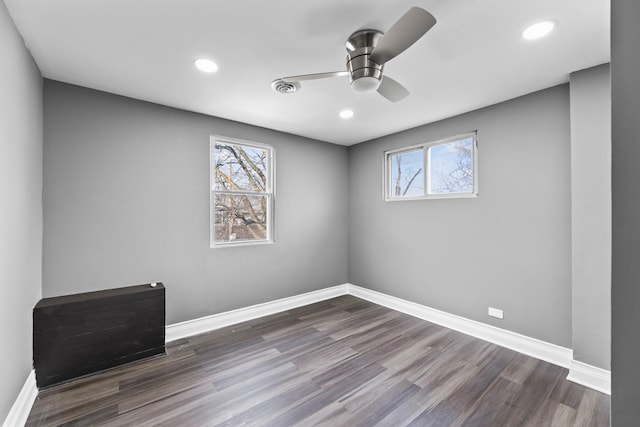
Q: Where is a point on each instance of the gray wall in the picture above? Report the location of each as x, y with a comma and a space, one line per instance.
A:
21, 207
591, 215
625, 141
510, 248
126, 201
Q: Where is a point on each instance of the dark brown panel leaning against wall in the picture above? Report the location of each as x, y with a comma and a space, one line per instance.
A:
79, 334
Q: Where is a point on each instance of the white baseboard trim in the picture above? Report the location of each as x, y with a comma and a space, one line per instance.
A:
221, 320
581, 373
590, 376
548, 352
22, 406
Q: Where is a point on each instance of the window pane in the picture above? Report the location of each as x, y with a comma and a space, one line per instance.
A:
240, 167
407, 173
451, 167
240, 217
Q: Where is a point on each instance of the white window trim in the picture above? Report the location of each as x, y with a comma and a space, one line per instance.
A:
387, 197
270, 193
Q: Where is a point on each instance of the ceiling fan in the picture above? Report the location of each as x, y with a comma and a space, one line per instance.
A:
367, 52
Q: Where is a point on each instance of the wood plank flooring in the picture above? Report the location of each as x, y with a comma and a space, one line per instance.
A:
341, 362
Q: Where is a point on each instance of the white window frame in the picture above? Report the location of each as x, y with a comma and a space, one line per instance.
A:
387, 184
269, 192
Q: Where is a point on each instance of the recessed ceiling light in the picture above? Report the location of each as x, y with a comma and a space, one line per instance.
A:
206, 65
538, 30
346, 114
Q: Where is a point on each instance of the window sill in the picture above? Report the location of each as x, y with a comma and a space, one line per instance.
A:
241, 243
433, 197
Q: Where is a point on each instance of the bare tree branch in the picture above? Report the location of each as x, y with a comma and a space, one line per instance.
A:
411, 181
398, 186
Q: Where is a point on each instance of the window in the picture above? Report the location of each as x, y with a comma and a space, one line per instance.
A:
241, 192
441, 169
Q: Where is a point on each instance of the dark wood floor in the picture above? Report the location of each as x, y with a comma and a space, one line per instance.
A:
341, 362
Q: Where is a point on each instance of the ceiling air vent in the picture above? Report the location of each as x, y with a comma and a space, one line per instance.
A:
282, 86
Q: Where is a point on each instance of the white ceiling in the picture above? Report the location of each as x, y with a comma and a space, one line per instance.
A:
473, 57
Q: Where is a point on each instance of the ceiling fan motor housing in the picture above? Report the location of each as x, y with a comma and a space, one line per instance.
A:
364, 74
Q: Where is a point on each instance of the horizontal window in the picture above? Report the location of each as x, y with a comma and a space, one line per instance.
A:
241, 192
440, 169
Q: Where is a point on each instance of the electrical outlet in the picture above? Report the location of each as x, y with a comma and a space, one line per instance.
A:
496, 312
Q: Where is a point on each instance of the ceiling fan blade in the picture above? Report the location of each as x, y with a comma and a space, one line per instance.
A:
402, 34
315, 76
392, 90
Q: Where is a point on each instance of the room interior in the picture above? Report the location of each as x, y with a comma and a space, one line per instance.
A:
105, 187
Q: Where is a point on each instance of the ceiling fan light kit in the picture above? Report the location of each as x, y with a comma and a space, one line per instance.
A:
368, 51
364, 75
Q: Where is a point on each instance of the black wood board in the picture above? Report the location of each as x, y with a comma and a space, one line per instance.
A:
80, 334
